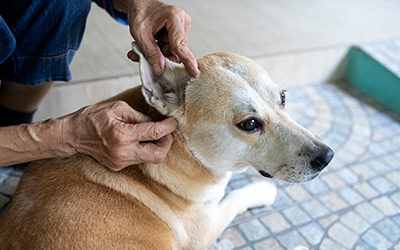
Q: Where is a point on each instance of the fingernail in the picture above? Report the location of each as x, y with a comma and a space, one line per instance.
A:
157, 69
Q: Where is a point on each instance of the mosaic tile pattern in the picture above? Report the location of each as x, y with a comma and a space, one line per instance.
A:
354, 204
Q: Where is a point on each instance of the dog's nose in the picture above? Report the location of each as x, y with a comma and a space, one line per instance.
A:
322, 160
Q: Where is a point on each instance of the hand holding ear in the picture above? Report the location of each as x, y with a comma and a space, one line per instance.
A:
118, 136
161, 30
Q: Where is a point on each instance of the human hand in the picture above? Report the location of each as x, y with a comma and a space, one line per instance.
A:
161, 29
117, 136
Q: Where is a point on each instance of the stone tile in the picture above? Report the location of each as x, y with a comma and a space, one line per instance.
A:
392, 161
388, 229
365, 189
378, 166
394, 177
333, 202
343, 235
282, 199
297, 193
315, 208
328, 244
261, 210
233, 236
351, 196
382, 185
355, 222
222, 244
291, 239
363, 171
326, 222
337, 162
253, 230
275, 222
386, 205
362, 246
268, 244
376, 240
4, 174
312, 232
333, 181
348, 176
3, 200
396, 198
316, 186
368, 212
246, 214
296, 215
245, 248
378, 148
10, 185
396, 218
19, 170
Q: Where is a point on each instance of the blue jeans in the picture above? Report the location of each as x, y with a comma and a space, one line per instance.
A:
38, 38
47, 35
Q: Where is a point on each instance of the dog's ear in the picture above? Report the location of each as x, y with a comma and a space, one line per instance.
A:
165, 92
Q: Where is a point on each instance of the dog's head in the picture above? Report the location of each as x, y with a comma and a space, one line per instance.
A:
232, 115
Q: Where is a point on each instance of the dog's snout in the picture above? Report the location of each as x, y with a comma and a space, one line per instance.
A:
322, 159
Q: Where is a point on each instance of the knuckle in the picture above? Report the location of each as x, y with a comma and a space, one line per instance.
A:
119, 104
176, 10
151, 55
157, 132
180, 46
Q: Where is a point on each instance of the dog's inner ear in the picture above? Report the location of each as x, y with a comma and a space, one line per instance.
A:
165, 92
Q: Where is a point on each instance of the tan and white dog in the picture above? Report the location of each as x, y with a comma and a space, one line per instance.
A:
230, 116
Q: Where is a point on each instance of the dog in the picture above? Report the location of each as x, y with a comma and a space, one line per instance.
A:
231, 116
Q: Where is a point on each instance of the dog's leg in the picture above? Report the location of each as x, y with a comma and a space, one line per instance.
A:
238, 201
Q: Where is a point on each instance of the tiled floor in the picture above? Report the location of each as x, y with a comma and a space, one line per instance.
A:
355, 203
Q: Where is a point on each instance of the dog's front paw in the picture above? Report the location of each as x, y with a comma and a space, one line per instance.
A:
261, 193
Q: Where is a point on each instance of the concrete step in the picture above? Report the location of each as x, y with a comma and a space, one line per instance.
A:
374, 68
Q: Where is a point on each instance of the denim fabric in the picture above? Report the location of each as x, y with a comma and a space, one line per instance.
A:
38, 39
7, 41
47, 35
107, 5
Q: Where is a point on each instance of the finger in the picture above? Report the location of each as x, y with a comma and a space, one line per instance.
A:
151, 52
178, 46
155, 130
155, 152
190, 62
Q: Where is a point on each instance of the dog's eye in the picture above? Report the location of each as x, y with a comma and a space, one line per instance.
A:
283, 97
250, 125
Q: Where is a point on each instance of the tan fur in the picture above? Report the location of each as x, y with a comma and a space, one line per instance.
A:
76, 203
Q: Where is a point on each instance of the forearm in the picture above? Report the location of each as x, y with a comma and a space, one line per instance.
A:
29, 142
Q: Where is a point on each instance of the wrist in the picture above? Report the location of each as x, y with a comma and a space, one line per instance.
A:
65, 134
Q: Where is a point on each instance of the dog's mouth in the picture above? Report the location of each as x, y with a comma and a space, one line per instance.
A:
265, 174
